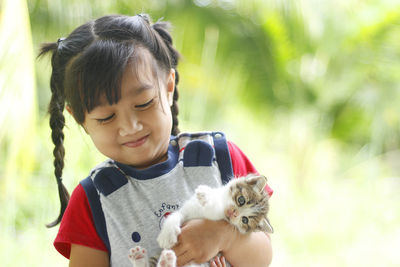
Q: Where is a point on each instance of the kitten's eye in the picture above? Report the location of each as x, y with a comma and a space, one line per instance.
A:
241, 200
245, 220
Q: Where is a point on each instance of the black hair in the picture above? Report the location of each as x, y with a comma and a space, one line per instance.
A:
90, 63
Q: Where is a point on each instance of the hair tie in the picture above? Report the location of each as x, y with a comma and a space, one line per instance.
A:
59, 42
144, 17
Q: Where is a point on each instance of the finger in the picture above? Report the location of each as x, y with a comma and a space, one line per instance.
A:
223, 264
179, 249
213, 263
184, 258
217, 262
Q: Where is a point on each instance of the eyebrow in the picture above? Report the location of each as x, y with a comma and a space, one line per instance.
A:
142, 87
134, 91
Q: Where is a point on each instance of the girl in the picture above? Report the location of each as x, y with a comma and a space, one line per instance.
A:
117, 77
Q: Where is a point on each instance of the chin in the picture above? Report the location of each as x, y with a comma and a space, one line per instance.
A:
234, 223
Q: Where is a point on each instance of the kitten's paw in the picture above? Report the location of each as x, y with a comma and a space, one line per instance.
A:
167, 259
168, 236
138, 256
202, 192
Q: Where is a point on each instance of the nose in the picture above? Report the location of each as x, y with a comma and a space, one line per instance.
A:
232, 212
129, 125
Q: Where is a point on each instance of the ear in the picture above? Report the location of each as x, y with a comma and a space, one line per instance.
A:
258, 181
171, 87
68, 108
265, 226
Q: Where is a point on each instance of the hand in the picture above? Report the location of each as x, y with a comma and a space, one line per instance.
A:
200, 240
218, 261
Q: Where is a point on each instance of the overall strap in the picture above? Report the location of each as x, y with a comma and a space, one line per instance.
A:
197, 150
97, 211
223, 157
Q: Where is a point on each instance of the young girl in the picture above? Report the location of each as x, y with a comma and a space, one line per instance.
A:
117, 77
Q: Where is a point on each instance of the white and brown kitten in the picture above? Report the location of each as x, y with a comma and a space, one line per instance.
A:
242, 202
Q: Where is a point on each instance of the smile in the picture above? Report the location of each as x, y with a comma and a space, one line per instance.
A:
137, 142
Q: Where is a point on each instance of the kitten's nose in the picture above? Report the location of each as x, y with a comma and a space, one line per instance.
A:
232, 213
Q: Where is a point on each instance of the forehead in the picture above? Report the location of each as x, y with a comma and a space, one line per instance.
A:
243, 188
140, 74
142, 66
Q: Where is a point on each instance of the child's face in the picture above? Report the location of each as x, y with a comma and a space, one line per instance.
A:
136, 130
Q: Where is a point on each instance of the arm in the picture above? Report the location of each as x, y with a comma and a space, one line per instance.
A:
77, 227
200, 240
82, 256
252, 249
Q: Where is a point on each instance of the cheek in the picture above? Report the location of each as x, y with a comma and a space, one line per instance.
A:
101, 138
252, 225
160, 122
241, 227
161, 115
100, 143
230, 202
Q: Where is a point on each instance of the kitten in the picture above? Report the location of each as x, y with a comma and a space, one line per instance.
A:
242, 202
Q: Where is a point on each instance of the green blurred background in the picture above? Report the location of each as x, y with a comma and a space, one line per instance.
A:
310, 90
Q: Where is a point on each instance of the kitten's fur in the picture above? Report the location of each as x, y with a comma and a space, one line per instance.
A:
242, 202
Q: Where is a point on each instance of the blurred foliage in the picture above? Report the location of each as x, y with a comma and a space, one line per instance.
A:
285, 55
308, 89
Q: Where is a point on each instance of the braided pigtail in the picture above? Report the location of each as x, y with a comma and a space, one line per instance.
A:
57, 122
174, 107
162, 29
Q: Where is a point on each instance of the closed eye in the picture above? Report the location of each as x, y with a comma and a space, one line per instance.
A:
107, 119
145, 104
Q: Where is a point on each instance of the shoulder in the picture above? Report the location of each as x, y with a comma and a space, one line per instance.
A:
77, 226
240, 163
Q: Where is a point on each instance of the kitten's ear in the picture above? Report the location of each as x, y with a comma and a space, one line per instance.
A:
259, 181
265, 226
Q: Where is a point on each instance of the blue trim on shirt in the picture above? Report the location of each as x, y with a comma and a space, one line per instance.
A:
109, 179
97, 211
156, 170
223, 157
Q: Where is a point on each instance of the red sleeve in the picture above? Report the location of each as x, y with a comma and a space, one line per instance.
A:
241, 164
77, 226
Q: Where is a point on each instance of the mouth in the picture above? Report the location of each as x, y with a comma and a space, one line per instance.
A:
136, 143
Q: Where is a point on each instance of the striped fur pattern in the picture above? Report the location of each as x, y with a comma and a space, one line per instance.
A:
250, 204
